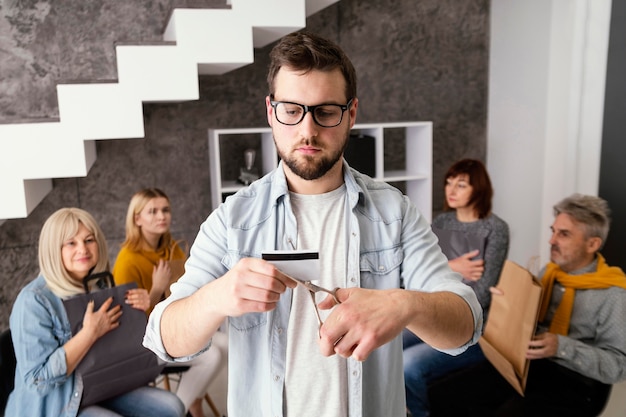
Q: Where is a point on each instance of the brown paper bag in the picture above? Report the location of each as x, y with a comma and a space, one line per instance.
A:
511, 324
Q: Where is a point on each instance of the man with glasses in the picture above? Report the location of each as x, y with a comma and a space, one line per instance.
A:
579, 347
373, 245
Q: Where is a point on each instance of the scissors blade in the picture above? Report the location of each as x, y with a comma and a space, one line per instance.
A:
307, 284
314, 288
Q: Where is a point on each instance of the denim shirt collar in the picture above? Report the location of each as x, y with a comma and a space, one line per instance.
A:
280, 188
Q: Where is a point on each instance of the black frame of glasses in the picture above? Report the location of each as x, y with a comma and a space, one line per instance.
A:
310, 109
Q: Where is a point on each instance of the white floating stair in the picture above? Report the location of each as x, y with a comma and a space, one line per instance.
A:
196, 41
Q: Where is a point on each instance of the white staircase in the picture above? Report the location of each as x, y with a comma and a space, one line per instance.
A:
197, 41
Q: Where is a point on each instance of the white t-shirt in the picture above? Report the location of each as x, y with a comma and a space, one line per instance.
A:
316, 385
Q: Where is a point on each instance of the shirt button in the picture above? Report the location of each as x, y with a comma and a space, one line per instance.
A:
279, 330
381, 268
355, 373
276, 377
76, 394
352, 279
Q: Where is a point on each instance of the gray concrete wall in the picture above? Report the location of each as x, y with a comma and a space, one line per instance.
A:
416, 60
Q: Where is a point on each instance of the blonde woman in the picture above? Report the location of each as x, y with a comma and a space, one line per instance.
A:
145, 258
71, 247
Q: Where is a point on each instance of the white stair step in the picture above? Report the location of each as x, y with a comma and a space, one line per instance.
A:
45, 150
100, 111
196, 31
140, 68
196, 41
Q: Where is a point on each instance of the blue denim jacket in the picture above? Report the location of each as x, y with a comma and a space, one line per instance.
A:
42, 386
390, 245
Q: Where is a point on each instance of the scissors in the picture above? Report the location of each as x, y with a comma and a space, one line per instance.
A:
312, 290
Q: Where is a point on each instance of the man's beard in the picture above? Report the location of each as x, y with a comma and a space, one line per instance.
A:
310, 168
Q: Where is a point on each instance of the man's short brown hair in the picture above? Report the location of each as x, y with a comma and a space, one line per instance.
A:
304, 51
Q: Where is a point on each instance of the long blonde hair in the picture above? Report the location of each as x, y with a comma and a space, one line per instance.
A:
62, 225
134, 238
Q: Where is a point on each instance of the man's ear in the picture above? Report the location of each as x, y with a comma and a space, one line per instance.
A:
353, 111
269, 111
594, 244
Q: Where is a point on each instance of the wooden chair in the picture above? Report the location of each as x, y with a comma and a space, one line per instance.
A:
177, 371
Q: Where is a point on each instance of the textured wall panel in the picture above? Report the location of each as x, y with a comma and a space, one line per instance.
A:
415, 59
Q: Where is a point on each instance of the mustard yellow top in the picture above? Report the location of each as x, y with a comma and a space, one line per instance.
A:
137, 266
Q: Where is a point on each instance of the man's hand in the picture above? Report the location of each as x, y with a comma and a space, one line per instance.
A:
469, 269
496, 291
544, 345
251, 286
365, 320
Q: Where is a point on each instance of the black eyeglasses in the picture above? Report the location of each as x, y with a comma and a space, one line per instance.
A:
324, 115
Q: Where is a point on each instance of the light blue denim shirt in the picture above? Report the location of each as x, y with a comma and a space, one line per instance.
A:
42, 387
390, 245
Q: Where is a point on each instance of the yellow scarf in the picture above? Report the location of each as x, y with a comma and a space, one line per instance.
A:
604, 277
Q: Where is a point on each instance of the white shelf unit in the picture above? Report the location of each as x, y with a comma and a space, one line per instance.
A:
411, 172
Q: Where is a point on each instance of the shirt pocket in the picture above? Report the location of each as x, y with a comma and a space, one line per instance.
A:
248, 321
380, 269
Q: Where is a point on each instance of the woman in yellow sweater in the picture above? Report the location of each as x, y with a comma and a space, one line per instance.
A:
145, 259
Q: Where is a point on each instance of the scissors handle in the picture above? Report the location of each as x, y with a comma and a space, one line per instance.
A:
334, 294
316, 288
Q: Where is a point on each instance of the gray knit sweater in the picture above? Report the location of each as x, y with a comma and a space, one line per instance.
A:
496, 232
